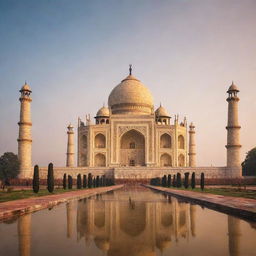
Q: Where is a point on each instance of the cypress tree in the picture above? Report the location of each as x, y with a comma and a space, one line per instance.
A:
50, 178
84, 181
186, 180
174, 181
202, 181
169, 180
164, 181
65, 181
178, 180
104, 181
97, 182
70, 182
36, 179
79, 181
101, 181
193, 180
89, 180
94, 182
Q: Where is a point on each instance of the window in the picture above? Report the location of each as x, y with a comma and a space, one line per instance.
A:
132, 145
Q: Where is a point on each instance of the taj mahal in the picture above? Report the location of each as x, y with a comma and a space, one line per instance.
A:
130, 139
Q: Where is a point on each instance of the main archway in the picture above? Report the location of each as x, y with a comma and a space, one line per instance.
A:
132, 149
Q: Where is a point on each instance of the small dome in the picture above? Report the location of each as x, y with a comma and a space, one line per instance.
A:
131, 96
233, 88
25, 87
162, 112
103, 112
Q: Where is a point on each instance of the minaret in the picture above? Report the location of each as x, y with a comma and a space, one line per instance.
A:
233, 135
24, 140
192, 146
70, 147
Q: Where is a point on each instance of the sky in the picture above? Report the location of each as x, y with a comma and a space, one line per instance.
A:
73, 53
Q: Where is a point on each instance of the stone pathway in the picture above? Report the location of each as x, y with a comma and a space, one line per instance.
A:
23, 206
238, 206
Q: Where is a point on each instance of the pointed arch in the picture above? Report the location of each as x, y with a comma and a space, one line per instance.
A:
100, 141
165, 160
132, 148
181, 160
181, 142
100, 160
165, 141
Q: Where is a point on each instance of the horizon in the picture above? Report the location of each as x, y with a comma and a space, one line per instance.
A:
73, 54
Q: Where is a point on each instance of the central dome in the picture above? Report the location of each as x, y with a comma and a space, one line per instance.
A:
131, 96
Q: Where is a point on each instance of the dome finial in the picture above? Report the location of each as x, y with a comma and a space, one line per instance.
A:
130, 69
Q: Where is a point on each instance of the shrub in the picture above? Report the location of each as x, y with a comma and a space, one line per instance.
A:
169, 180
179, 184
186, 180
36, 179
70, 182
84, 181
50, 178
65, 181
193, 180
89, 180
79, 181
202, 181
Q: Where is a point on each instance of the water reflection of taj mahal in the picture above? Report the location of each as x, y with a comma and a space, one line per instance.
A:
137, 224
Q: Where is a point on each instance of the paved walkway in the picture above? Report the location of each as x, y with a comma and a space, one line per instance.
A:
23, 206
238, 206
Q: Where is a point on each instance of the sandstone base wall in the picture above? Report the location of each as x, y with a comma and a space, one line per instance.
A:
143, 173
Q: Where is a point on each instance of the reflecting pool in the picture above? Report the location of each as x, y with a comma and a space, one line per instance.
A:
133, 221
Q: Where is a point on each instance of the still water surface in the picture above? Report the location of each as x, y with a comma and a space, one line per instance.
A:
134, 222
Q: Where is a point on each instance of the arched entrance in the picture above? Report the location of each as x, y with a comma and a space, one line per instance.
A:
132, 149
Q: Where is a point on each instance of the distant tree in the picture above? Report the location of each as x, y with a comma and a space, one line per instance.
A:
249, 164
36, 179
179, 183
84, 181
174, 181
50, 178
70, 182
186, 179
193, 180
64, 181
89, 180
79, 181
169, 180
164, 181
202, 181
9, 167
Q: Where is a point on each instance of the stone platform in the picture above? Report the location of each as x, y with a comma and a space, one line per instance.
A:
20, 207
237, 206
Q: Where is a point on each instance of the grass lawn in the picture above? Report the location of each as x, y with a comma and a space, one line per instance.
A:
21, 194
247, 193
